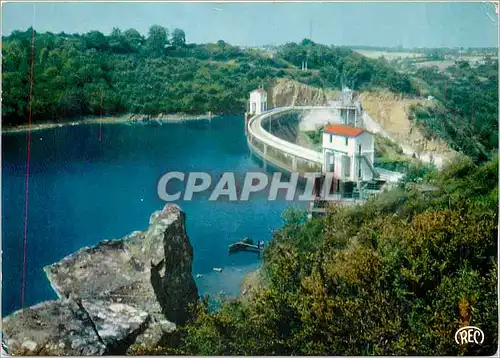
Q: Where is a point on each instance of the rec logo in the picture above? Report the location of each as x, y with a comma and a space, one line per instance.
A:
469, 334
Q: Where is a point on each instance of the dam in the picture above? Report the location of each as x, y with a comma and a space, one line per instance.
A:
346, 153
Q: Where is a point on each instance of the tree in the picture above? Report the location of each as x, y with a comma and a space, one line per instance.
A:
178, 38
157, 40
96, 39
118, 42
134, 39
397, 276
222, 45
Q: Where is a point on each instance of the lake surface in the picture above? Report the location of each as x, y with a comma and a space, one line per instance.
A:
83, 190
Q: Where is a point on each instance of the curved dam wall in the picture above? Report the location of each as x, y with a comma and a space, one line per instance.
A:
274, 136
291, 125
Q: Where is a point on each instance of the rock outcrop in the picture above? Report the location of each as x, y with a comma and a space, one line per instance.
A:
389, 114
114, 295
253, 282
286, 92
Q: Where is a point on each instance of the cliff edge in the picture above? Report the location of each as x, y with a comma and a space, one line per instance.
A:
114, 296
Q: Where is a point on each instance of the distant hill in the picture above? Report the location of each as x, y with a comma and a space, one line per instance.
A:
161, 73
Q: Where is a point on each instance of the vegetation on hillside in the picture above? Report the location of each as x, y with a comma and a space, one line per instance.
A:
125, 72
465, 112
396, 276
341, 66
389, 155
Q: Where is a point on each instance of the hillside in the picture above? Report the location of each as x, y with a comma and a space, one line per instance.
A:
465, 114
394, 113
94, 74
283, 92
125, 72
396, 276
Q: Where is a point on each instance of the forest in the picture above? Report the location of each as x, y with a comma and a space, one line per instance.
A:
465, 113
125, 72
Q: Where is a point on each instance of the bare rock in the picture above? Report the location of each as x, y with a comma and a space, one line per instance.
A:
52, 328
116, 324
153, 336
109, 294
284, 92
150, 271
172, 278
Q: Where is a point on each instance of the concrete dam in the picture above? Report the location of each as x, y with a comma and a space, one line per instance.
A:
277, 136
290, 125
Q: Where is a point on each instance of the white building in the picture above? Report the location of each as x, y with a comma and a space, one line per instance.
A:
258, 101
349, 153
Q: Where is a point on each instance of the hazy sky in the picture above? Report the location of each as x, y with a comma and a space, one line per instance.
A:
375, 24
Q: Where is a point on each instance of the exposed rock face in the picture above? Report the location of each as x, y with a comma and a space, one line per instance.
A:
171, 277
112, 294
252, 283
285, 92
52, 328
389, 115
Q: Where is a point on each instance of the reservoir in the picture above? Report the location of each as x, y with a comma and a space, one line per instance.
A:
83, 190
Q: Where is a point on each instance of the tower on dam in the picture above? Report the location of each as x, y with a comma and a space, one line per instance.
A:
349, 108
344, 154
348, 149
258, 101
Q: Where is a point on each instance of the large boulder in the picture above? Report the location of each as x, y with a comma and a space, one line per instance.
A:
52, 328
113, 293
151, 270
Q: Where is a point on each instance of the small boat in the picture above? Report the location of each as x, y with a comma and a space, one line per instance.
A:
246, 245
217, 269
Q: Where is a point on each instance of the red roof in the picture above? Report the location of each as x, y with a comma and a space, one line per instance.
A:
343, 130
260, 90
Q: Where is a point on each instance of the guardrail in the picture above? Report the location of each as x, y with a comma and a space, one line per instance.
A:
286, 155
293, 157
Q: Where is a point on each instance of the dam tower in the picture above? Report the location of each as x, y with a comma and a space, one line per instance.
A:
350, 111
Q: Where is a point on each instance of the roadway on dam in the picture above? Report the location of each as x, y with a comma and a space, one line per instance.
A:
256, 130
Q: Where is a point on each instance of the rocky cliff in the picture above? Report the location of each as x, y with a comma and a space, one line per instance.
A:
284, 92
389, 114
113, 297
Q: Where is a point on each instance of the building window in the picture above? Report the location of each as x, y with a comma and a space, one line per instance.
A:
331, 138
254, 107
359, 169
347, 166
346, 141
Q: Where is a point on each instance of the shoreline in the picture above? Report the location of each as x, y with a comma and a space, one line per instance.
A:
126, 118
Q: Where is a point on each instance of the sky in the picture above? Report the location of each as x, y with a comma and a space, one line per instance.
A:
255, 24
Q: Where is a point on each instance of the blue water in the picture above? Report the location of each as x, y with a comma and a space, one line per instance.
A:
83, 190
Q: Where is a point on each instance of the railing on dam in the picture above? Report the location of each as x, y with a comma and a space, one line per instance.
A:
293, 157
285, 155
